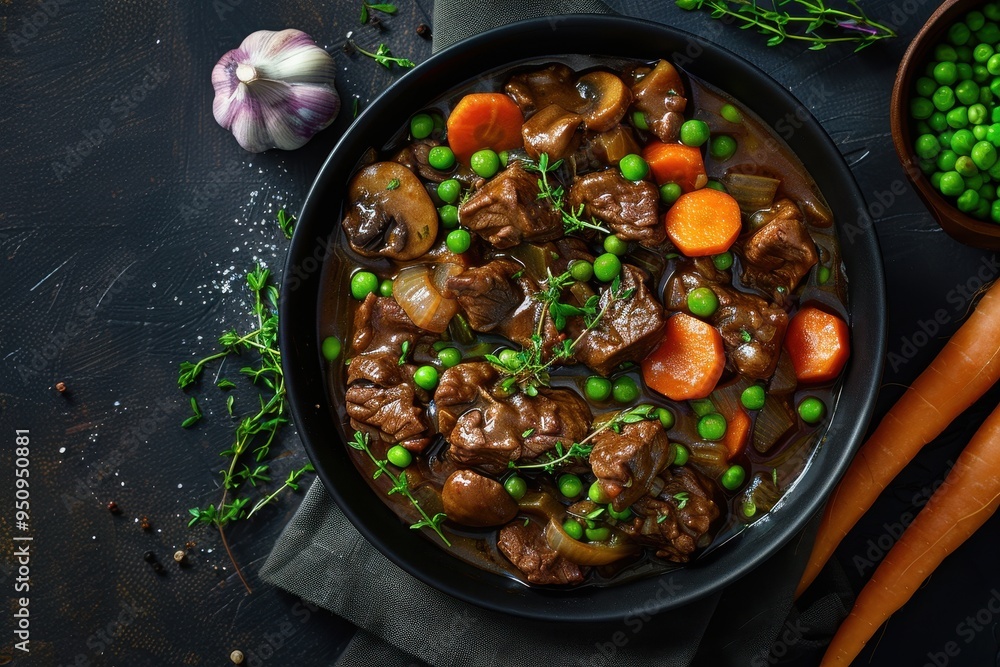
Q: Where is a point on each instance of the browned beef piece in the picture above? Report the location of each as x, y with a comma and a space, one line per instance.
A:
630, 208
507, 210
553, 131
629, 330
752, 328
689, 512
780, 252
485, 427
472, 499
660, 96
525, 547
626, 463
538, 88
381, 325
383, 401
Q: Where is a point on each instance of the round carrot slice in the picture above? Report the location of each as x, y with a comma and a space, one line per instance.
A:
484, 120
704, 222
689, 361
818, 343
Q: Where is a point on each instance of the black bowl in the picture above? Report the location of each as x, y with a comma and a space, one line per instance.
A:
464, 62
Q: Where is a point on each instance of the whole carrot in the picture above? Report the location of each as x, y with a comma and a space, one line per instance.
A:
968, 365
968, 497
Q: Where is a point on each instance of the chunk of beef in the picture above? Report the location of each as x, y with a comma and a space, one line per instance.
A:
626, 463
605, 149
383, 401
780, 252
538, 88
600, 98
660, 96
677, 520
474, 500
507, 210
525, 547
552, 131
631, 208
485, 427
380, 325
629, 330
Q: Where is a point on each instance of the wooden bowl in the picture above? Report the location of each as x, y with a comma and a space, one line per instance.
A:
963, 228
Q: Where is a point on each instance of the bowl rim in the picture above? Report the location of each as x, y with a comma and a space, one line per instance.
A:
302, 362
960, 226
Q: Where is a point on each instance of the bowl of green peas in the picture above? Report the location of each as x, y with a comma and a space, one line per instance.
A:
945, 116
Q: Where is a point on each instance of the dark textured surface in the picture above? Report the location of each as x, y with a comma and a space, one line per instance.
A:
124, 260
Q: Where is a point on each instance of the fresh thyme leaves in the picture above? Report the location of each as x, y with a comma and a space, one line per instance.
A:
401, 485
582, 449
661, 518
405, 349
286, 222
813, 21
682, 499
572, 222
383, 56
385, 8
190, 421
393, 184
255, 432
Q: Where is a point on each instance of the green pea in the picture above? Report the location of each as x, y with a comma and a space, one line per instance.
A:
723, 260
988, 192
702, 302
952, 184
426, 377
925, 86
363, 283
666, 418
570, 485
945, 52
385, 288
978, 114
399, 456
968, 201
753, 397
921, 107
715, 185
581, 270
922, 127
734, 477
597, 388
633, 167
943, 98
964, 68
938, 121
597, 494
975, 20
601, 534
995, 211
441, 158
936, 179
621, 516
517, 487
504, 157
962, 142
607, 267
995, 89
669, 192
682, 455
985, 98
945, 73
992, 11
927, 166
980, 132
945, 138
984, 154
639, 120
994, 172
615, 245
811, 410
449, 191
982, 211
993, 64
722, 147
959, 34
421, 126
974, 182
508, 357
966, 92
694, 132
331, 348
958, 117
731, 113
946, 160
486, 163
993, 134
624, 389
982, 53
927, 146
449, 356
980, 74
449, 216
965, 166
712, 426
573, 529
458, 241
989, 33
823, 273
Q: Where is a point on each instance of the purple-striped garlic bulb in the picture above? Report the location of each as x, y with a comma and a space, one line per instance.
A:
275, 91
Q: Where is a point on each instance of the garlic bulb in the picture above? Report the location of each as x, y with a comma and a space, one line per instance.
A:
275, 91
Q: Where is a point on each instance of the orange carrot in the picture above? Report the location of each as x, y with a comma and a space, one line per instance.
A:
484, 120
818, 343
689, 361
968, 497
703, 222
676, 163
968, 365
737, 433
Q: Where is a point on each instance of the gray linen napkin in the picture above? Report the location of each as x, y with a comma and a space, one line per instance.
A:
402, 622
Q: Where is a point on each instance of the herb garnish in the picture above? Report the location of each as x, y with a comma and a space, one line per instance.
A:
385, 8
682, 499
383, 56
572, 222
190, 421
286, 222
822, 23
401, 485
393, 184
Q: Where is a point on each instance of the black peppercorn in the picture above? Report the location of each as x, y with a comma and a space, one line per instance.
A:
149, 557
113, 507
424, 30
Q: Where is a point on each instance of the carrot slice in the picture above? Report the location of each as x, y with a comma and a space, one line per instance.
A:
737, 433
818, 343
703, 222
689, 361
676, 163
484, 120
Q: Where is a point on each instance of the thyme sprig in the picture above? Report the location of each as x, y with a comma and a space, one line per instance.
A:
385, 8
572, 222
581, 450
815, 23
383, 56
401, 485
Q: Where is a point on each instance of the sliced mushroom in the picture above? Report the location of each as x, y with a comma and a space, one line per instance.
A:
537, 89
660, 96
600, 97
389, 213
606, 99
474, 500
553, 131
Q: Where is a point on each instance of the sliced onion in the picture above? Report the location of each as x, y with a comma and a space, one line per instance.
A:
536, 259
710, 458
783, 382
542, 504
584, 553
774, 421
752, 192
420, 298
